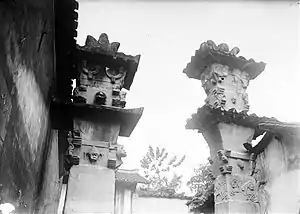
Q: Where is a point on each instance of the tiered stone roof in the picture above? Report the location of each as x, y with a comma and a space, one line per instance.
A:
210, 53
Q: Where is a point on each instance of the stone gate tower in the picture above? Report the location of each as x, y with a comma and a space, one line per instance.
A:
96, 118
225, 125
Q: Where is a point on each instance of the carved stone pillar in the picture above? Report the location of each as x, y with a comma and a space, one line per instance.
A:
225, 125
98, 118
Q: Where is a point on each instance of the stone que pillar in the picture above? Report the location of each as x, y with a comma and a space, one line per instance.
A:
98, 118
223, 123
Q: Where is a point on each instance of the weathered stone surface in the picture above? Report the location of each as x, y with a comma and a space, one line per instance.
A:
26, 71
86, 198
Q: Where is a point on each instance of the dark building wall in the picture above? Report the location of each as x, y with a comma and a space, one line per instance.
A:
26, 81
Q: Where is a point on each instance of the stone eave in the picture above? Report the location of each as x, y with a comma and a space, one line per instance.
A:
206, 55
207, 116
111, 60
62, 115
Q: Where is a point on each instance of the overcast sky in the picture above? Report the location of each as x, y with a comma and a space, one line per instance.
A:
167, 35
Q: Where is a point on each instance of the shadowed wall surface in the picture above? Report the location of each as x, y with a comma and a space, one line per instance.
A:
26, 78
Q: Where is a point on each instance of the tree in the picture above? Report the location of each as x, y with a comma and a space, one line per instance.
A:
157, 167
202, 185
200, 180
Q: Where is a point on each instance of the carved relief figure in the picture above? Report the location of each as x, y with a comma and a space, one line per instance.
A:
93, 154
221, 193
121, 153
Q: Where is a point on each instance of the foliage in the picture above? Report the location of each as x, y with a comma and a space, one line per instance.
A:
200, 180
157, 167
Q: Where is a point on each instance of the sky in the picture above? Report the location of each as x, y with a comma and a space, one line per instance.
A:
167, 34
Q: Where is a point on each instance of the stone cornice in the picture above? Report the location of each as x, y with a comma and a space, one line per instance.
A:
62, 114
207, 116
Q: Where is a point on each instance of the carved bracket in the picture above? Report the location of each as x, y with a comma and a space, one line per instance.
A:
100, 98
227, 169
223, 155
119, 98
111, 163
74, 141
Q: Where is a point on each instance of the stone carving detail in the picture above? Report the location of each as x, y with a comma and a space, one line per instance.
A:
226, 87
241, 165
113, 74
121, 153
236, 187
221, 193
100, 85
227, 169
102, 44
119, 99
243, 188
70, 157
223, 155
100, 98
93, 154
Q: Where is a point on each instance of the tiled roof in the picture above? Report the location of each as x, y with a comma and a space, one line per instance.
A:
161, 194
210, 53
107, 53
130, 176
